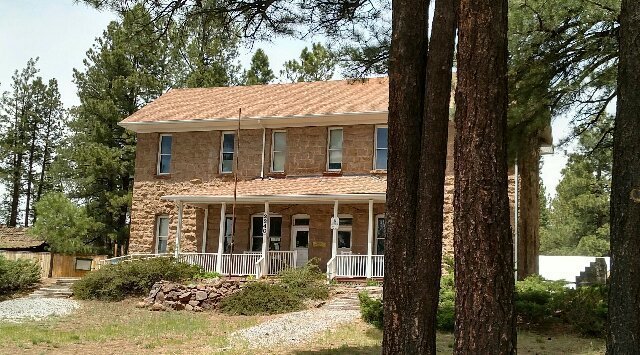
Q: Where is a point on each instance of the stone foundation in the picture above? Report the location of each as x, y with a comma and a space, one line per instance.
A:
165, 295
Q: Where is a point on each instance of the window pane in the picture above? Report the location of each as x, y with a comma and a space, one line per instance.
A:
162, 245
346, 221
344, 239
380, 247
335, 139
278, 161
381, 228
274, 243
381, 159
275, 227
163, 227
257, 226
227, 166
301, 222
227, 142
257, 244
228, 226
279, 141
165, 145
165, 164
302, 239
381, 137
335, 156
227, 244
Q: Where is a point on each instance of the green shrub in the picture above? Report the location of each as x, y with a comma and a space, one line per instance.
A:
260, 298
446, 316
536, 299
207, 275
371, 309
135, 278
585, 309
307, 282
17, 275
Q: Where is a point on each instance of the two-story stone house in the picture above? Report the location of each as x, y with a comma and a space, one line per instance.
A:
311, 156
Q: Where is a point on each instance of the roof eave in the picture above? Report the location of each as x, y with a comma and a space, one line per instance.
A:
347, 118
276, 199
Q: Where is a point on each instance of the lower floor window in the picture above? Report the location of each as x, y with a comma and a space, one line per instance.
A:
381, 232
344, 232
162, 234
275, 233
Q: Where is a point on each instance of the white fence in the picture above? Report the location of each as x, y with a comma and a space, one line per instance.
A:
377, 266
351, 265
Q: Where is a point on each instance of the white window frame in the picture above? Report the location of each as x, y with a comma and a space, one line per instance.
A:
329, 149
375, 246
158, 236
160, 154
348, 228
271, 215
273, 150
222, 152
375, 146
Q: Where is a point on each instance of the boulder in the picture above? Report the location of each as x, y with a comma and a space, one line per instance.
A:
157, 307
201, 295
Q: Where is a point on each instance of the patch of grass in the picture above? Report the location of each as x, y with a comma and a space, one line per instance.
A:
135, 330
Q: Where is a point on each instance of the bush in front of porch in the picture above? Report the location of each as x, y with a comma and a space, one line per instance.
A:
134, 278
287, 293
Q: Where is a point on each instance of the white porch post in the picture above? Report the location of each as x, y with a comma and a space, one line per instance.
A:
179, 231
265, 238
221, 238
370, 240
334, 240
205, 226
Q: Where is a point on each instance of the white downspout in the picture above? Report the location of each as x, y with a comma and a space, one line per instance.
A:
205, 226
264, 144
515, 218
221, 238
179, 231
334, 240
265, 238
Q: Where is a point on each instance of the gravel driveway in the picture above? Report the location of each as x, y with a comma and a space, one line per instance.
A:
35, 308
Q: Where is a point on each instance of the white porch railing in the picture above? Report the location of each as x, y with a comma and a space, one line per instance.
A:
377, 266
351, 266
239, 264
280, 260
207, 261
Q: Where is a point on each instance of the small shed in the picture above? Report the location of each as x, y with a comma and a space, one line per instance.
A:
17, 239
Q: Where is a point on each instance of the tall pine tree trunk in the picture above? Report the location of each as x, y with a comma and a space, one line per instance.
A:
407, 71
433, 163
30, 176
484, 278
624, 289
529, 236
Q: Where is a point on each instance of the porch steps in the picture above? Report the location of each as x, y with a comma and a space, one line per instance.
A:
346, 298
55, 288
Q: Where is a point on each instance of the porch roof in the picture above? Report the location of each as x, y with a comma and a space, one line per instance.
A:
318, 189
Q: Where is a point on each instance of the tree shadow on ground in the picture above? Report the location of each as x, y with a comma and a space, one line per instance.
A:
343, 350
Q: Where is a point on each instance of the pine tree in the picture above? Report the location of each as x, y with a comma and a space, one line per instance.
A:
317, 64
259, 72
126, 68
579, 217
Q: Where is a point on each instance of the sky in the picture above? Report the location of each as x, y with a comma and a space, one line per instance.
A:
60, 32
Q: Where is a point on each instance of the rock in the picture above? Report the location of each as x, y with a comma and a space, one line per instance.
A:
157, 307
184, 297
194, 303
201, 295
168, 304
197, 309
188, 307
160, 296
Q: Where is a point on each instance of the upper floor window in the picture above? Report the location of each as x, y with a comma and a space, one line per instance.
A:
227, 152
278, 151
164, 154
382, 147
334, 149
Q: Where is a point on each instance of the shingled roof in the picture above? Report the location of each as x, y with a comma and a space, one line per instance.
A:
16, 238
273, 100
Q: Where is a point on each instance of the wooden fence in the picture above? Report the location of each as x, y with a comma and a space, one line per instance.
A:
58, 265
42, 258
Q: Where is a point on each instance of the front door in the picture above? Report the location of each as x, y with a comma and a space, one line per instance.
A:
300, 239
